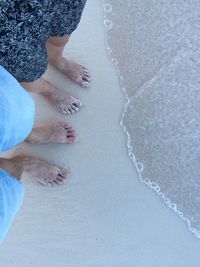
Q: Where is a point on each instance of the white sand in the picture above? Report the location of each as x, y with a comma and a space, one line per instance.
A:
103, 216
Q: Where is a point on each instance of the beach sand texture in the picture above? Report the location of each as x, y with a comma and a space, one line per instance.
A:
156, 49
104, 216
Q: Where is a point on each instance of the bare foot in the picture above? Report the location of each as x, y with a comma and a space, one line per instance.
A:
62, 102
59, 132
40, 171
74, 71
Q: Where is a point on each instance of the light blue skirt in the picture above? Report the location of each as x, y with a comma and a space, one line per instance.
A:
17, 111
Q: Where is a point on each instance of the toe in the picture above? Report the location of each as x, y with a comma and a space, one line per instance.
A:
85, 84
49, 184
86, 71
74, 108
67, 111
69, 130
64, 174
69, 135
86, 78
63, 110
71, 140
60, 180
65, 125
54, 183
71, 110
43, 183
85, 68
78, 103
61, 127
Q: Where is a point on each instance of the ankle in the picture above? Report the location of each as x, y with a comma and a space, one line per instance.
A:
56, 60
47, 89
12, 168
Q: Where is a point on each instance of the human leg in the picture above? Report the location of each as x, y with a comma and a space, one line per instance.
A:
16, 122
11, 197
11, 189
17, 112
62, 102
74, 71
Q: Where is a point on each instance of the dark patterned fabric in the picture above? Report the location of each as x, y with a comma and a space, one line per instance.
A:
25, 26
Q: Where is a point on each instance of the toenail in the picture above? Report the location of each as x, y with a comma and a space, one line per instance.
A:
86, 72
74, 107
87, 77
78, 103
66, 111
85, 84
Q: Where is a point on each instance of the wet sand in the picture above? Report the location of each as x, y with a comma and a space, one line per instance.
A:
155, 49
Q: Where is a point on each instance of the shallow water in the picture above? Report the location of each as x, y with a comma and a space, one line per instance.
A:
155, 49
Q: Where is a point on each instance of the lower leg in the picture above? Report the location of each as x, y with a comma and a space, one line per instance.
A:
55, 47
74, 71
38, 86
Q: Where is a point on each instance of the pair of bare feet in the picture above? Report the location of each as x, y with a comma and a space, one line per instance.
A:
42, 172
64, 103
